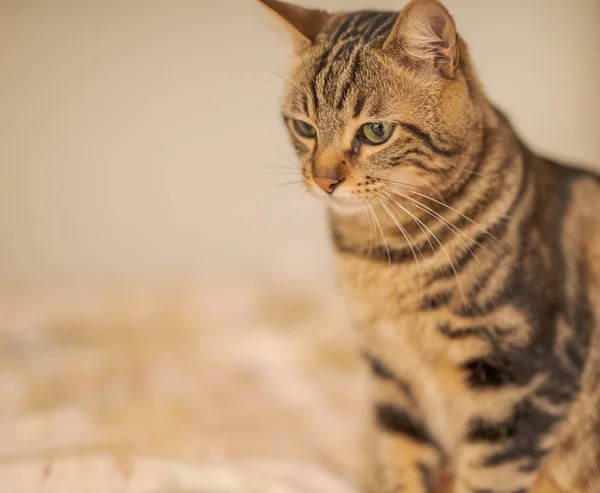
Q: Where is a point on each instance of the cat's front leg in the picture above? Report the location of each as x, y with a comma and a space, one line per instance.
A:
407, 456
505, 456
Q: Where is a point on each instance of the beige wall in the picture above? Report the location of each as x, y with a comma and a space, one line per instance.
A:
131, 130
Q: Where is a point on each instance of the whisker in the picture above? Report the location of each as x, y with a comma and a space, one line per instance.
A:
382, 235
423, 227
443, 204
251, 168
462, 169
451, 264
289, 159
453, 228
278, 187
259, 89
279, 169
280, 76
286, 80
409, 185
290, 207
369, 221
408, 239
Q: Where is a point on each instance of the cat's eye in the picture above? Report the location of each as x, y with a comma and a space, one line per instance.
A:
376, 133
304, 129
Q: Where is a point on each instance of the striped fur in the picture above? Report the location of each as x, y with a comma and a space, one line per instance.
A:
470, 265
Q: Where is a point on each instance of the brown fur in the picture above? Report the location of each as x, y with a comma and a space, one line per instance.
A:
470, 265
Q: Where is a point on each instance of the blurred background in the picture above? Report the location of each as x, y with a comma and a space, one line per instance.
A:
162, 291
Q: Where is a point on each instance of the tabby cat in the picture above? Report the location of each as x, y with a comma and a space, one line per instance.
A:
471, 266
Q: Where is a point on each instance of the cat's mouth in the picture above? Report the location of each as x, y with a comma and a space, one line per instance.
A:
344, 204
342, 200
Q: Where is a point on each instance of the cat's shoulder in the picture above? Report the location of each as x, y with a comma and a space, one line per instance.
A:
572, 171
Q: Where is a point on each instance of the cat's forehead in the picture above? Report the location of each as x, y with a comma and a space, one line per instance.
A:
357, 28
329, 84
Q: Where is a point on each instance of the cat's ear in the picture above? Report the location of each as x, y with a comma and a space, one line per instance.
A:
424, 36
304, 24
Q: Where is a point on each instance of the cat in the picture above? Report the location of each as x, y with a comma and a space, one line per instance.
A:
470, 265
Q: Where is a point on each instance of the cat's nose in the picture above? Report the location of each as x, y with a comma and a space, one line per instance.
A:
328, 185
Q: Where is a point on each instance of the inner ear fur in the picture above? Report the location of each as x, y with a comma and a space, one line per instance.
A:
424, 36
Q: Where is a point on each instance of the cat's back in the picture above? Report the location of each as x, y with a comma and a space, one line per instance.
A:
578, 190
567, 204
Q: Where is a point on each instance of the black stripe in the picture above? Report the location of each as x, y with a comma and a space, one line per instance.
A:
436, 301
360, 104
426, 477
348, 38
351, 80
489, 373
526, 445
487, 490
481, 430
326, 72
510, 290
314, 82
417, 163
386, 28
464, 332
532, 464
489, 273
487, 145
497, 230
311, 102
379, 369
396, 420
338, 34
521, 434
363, 20
378, 20
380, 253
305, 103
398, 160
341, 29
425, 137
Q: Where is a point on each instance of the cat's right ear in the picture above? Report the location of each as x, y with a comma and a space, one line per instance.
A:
425, 37
303, 24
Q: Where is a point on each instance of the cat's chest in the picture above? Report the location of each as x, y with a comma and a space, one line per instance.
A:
412, 352
409, 342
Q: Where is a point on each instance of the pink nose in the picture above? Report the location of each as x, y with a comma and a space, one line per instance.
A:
328, 185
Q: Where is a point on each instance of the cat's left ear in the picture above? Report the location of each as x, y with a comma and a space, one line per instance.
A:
424, 36
304, 24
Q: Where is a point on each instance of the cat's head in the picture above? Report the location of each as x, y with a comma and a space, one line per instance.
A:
377, 100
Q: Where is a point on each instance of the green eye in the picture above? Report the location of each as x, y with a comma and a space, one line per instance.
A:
304, 129
376, 133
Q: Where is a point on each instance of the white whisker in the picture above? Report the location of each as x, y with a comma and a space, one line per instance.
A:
366, 210
290, 207
382, 235
278, 187
459, 213
451, 226
451, 264
423, 227
408, 239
